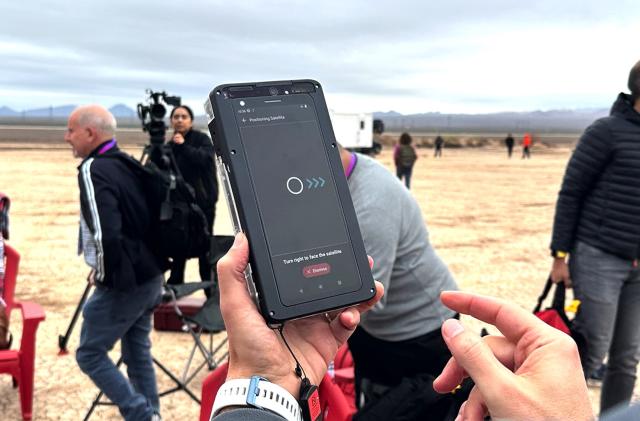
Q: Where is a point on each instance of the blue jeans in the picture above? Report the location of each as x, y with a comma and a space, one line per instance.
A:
110, 315
406, 172
609, 290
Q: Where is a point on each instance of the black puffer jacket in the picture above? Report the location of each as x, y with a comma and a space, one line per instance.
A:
599, 202
195, 159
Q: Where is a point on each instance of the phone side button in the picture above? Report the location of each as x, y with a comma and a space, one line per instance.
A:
251, 286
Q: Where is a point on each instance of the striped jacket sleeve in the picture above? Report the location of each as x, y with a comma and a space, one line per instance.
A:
99, 204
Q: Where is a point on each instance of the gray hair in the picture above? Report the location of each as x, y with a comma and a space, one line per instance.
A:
97, 117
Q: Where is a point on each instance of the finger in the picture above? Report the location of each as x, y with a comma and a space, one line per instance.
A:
235, 301
367, 305
475, 357
453, 374
343, 326
475, 409
370, 262
510, 319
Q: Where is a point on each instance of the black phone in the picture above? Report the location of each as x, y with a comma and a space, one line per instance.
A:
285, 185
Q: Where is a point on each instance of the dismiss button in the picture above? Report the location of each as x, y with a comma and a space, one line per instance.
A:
316, 270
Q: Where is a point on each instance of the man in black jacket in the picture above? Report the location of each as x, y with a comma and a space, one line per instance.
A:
114, 233
193, 151
596, 242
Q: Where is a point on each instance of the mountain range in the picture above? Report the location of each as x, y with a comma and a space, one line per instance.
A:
571, 120
575, 120
62, 111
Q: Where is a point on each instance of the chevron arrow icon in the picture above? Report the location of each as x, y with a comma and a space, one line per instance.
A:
321, 181
309, 183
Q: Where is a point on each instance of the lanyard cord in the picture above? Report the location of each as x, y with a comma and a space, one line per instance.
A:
299, 370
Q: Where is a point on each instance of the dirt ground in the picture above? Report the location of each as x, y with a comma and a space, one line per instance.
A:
489, 218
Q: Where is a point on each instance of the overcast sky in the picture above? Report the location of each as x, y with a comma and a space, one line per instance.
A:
410, 56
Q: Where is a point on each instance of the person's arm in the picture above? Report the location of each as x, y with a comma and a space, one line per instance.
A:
247, 414
587, 163
200, 152
531, 373
100, 197
257, 350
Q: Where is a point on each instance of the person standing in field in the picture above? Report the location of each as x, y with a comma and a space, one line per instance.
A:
194, 154
439, 144
405, 157
596, 242
115, 227
509, 142
526, 146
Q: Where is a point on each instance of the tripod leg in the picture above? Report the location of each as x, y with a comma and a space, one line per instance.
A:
63, 340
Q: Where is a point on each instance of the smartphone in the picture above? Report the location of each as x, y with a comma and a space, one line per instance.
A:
285, 185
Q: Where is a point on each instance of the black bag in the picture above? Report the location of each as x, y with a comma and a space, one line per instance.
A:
415, 399
179, 228
557, 317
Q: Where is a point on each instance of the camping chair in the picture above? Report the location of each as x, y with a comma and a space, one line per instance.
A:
20, 364
208, 320
332, 401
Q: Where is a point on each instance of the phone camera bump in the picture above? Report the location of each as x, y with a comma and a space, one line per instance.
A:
273, 90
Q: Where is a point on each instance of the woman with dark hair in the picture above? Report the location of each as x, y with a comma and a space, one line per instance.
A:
193, 151
405, 157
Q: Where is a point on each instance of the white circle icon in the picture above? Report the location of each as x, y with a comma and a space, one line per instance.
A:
291, 185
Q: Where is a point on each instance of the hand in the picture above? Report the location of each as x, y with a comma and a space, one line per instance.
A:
91, 277
256, 349
560, 272
532, 373
178, 138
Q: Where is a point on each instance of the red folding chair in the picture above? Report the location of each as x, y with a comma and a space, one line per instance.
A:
332, 401
20, 363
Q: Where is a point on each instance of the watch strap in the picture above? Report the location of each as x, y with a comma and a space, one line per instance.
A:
257, 392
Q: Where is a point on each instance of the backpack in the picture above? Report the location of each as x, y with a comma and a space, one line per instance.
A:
178, 227
406, 156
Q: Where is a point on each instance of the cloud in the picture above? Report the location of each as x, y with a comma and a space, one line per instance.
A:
383, 55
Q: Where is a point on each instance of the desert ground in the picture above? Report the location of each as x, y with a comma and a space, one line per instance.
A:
489, 218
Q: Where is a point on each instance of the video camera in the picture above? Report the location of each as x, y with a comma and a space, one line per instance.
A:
152, 115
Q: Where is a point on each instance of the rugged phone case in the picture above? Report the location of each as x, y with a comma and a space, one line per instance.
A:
235, 175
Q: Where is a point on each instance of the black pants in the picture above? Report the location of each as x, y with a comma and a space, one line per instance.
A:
406, 173
177, 268
386, 363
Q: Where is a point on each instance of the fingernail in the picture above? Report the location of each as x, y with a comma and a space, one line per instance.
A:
237, 242
451, 328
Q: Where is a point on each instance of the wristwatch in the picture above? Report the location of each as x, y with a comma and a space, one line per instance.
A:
257, 392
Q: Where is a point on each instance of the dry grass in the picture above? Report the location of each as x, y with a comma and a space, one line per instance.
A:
489, 218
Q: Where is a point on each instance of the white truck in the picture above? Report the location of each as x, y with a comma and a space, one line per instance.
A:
354, 131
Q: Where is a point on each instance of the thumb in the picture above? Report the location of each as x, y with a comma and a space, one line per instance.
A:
476, 358
234, 296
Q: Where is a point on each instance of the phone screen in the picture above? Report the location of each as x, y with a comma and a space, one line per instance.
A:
296, 197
